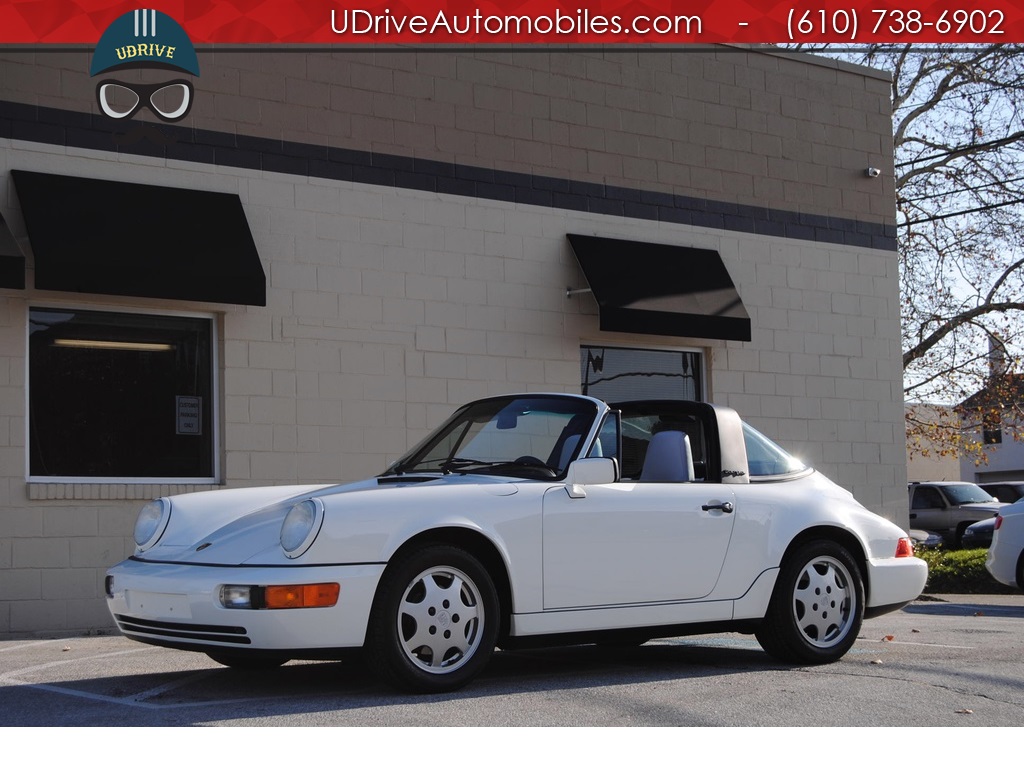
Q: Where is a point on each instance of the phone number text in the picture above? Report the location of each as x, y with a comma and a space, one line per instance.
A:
887, 23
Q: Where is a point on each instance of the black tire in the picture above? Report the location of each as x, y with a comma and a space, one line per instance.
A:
817, 607
1020, 572
247, 663
434, 622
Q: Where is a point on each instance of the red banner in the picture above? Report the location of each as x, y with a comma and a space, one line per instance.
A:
547, 22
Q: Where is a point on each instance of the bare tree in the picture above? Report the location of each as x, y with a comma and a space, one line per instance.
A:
958, 126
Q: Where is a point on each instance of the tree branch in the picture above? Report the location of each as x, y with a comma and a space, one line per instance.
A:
953, 323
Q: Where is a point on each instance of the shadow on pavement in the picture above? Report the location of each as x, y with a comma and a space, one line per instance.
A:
968, 605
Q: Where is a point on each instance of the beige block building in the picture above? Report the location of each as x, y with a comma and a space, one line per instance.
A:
333, 249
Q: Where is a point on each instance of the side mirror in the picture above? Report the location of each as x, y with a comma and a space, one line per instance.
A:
584, 472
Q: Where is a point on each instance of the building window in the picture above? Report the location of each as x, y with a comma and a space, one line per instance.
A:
991, 427
618, 374
119, 396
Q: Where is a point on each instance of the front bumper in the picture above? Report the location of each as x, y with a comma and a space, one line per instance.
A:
178, 605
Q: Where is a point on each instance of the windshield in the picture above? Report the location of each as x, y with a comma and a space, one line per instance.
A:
968, 493
520, 436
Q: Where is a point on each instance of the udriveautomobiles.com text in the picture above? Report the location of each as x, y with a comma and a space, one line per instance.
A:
477, 24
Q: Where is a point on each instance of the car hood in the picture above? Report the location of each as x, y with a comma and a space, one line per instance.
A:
982, 507
233, 527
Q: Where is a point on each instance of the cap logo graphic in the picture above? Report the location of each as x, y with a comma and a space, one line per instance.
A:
145, 39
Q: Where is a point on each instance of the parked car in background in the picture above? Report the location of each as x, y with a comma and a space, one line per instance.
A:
925, 539
1005, 560
523, 520
978, 535
1007, 492
948, 507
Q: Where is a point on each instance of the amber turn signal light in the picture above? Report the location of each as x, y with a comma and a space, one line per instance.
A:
302, 596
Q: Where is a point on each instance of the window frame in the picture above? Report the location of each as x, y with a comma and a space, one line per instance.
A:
700, 353
215, 396
991, 427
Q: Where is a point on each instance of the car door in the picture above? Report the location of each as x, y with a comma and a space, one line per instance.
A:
929, 511
635, 542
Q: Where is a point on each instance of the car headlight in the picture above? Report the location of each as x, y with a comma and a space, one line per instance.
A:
152, 522
300, 526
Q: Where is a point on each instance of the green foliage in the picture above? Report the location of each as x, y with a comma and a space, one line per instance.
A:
959, 571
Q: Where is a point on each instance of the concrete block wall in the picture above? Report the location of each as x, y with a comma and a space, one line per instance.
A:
732, 124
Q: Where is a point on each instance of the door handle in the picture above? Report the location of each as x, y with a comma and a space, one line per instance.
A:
725, 506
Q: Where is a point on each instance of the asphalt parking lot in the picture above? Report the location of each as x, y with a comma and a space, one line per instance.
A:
952, 660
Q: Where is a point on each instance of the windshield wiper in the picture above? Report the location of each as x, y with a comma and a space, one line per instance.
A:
415, 467
457, 462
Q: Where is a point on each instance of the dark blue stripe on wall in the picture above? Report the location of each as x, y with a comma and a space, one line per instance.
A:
174, 142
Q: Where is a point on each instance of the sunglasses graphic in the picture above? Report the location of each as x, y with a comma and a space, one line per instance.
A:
169, 101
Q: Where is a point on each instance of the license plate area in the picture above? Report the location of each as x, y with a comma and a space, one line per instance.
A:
158, 605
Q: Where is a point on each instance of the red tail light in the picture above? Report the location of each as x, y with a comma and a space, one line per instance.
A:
999, 522
904, 548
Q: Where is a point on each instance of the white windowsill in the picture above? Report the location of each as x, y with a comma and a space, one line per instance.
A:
40, 491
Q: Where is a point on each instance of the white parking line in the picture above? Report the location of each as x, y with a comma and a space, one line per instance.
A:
15, 677
138, 700
69, 660
30, 644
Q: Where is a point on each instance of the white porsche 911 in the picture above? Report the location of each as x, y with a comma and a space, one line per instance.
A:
530, 519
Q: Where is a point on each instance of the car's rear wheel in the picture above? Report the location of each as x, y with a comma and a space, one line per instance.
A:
435, 620
817, 607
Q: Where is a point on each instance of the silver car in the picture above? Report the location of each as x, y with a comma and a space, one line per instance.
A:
949, 507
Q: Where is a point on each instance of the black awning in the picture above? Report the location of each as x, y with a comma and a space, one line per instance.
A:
12, 260
665, 290
111, 237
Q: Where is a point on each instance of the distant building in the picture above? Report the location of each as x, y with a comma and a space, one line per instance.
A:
994, 417
926, 458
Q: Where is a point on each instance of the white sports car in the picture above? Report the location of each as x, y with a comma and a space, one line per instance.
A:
525, 519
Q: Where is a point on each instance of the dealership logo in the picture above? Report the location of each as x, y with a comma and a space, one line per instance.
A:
145, 41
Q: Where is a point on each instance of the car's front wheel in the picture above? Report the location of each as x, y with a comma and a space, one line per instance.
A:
817, 607
435, 620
